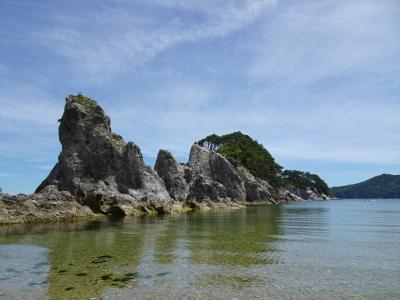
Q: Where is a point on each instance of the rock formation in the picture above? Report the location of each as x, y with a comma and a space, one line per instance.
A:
216, 167
173, 174
98, 172
210, 179
98, 167
47, 206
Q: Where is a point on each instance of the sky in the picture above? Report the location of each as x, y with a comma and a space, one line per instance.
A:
316, 82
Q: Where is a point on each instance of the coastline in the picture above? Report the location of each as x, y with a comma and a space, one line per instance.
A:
98, 173
56, 211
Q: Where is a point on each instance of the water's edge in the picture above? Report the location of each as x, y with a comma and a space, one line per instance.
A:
310, 250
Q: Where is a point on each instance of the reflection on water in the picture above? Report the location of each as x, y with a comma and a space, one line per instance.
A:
23, 268
87, 257
166, 242
307, 250
242, 238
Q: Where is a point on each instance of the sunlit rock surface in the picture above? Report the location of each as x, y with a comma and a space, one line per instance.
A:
99, 173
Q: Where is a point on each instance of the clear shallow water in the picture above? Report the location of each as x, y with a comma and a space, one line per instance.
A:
347, 249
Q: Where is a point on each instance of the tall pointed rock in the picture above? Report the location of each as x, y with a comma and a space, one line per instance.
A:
95, 161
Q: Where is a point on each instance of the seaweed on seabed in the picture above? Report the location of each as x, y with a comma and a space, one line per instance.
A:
101, 259
120, 279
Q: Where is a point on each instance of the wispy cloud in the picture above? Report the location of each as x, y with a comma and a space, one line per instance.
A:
45, 167
28, 119
331, 71
326, 131
325, 39
33, 112
122, 38
5, 174
317, 82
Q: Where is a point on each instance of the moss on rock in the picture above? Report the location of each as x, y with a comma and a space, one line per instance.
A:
118, 141
86, 101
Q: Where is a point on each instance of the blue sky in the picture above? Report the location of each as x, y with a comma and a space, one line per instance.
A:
316, 82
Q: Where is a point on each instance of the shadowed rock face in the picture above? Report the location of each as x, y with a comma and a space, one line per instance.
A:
209, 178
97, 166
97, 172
217, 168
257, 190
173, 174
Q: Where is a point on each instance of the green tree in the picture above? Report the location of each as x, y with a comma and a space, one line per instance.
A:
304, 180
239, 148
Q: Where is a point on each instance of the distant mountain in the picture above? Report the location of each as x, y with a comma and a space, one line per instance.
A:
382, 186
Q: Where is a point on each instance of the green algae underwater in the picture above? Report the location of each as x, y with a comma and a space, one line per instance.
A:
314, 250
87, 257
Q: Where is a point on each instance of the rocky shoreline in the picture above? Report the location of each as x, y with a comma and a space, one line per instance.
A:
99, 173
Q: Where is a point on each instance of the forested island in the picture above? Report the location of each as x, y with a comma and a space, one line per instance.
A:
382, 186
99, 173
241, 149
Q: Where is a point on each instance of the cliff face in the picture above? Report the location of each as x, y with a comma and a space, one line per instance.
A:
209, 178
98, 167
173, 175
98, 172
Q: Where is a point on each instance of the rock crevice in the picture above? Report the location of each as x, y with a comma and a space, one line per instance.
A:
97, 166
98, 172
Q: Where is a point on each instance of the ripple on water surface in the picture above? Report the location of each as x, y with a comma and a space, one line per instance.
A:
313, 250
23, 272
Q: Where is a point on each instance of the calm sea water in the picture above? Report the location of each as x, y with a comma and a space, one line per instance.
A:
348, 249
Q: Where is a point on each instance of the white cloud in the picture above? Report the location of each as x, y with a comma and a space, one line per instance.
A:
26, 107
28, 118
331, 72
326, 131
120, 38
303, 43
311, 80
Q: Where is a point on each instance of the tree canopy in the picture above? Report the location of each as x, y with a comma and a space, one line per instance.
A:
305, 180
239, 148
382, 186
